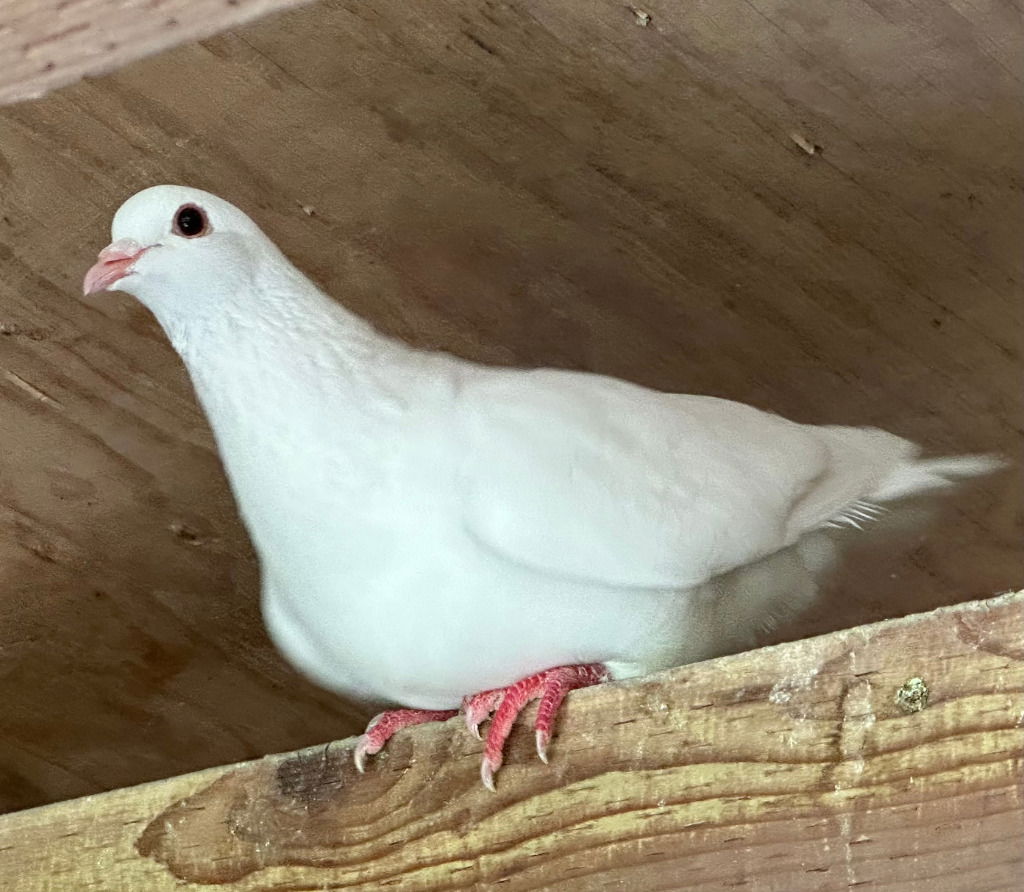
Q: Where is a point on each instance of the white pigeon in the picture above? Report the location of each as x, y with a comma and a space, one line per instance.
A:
430, 528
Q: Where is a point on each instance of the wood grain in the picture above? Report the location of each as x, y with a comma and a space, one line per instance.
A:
535, 183
787, 769
45, 45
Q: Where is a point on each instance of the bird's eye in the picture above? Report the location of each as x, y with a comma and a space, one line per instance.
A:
190, 221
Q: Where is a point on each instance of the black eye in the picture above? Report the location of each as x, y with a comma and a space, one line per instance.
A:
190, 221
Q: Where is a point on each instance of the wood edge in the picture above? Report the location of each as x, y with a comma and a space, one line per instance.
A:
593, 697
58, 44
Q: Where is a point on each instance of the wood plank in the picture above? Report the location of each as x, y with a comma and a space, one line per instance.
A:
45, 45
786, 769
584, 193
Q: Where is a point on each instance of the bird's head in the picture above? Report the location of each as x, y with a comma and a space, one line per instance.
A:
177, 250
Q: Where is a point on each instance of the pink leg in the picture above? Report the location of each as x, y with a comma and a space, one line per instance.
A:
384, 725
550, 687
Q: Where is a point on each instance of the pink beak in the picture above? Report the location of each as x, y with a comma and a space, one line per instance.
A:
114, 263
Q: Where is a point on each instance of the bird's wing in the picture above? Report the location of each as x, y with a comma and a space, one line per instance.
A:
590, 477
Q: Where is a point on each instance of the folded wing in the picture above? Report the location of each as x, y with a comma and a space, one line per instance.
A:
594, 478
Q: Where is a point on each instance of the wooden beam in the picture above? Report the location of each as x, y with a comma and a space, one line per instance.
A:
887, 756
45, 45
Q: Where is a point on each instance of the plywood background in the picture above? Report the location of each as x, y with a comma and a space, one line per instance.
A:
536, 183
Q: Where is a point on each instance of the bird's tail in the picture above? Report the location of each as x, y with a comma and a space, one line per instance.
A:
922, 475
868, 467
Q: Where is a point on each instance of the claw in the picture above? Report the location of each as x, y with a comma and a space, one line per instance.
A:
364, 747
487, 775
359, 755
477, 709
473, 726
542, 746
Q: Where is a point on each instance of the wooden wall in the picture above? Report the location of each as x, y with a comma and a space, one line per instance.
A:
530, 182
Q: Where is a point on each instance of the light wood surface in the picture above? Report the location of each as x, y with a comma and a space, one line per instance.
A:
534, 183
45, 44
787, 769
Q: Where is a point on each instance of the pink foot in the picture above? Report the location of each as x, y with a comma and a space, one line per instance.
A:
384, 725
549, 686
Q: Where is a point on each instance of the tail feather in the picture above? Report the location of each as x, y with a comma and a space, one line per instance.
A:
867, 466
923, 475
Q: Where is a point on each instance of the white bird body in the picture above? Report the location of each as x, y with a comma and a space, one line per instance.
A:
428, 527
350, 456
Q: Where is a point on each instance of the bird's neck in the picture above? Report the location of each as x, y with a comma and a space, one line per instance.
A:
279, 309
289, 352
300, 394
